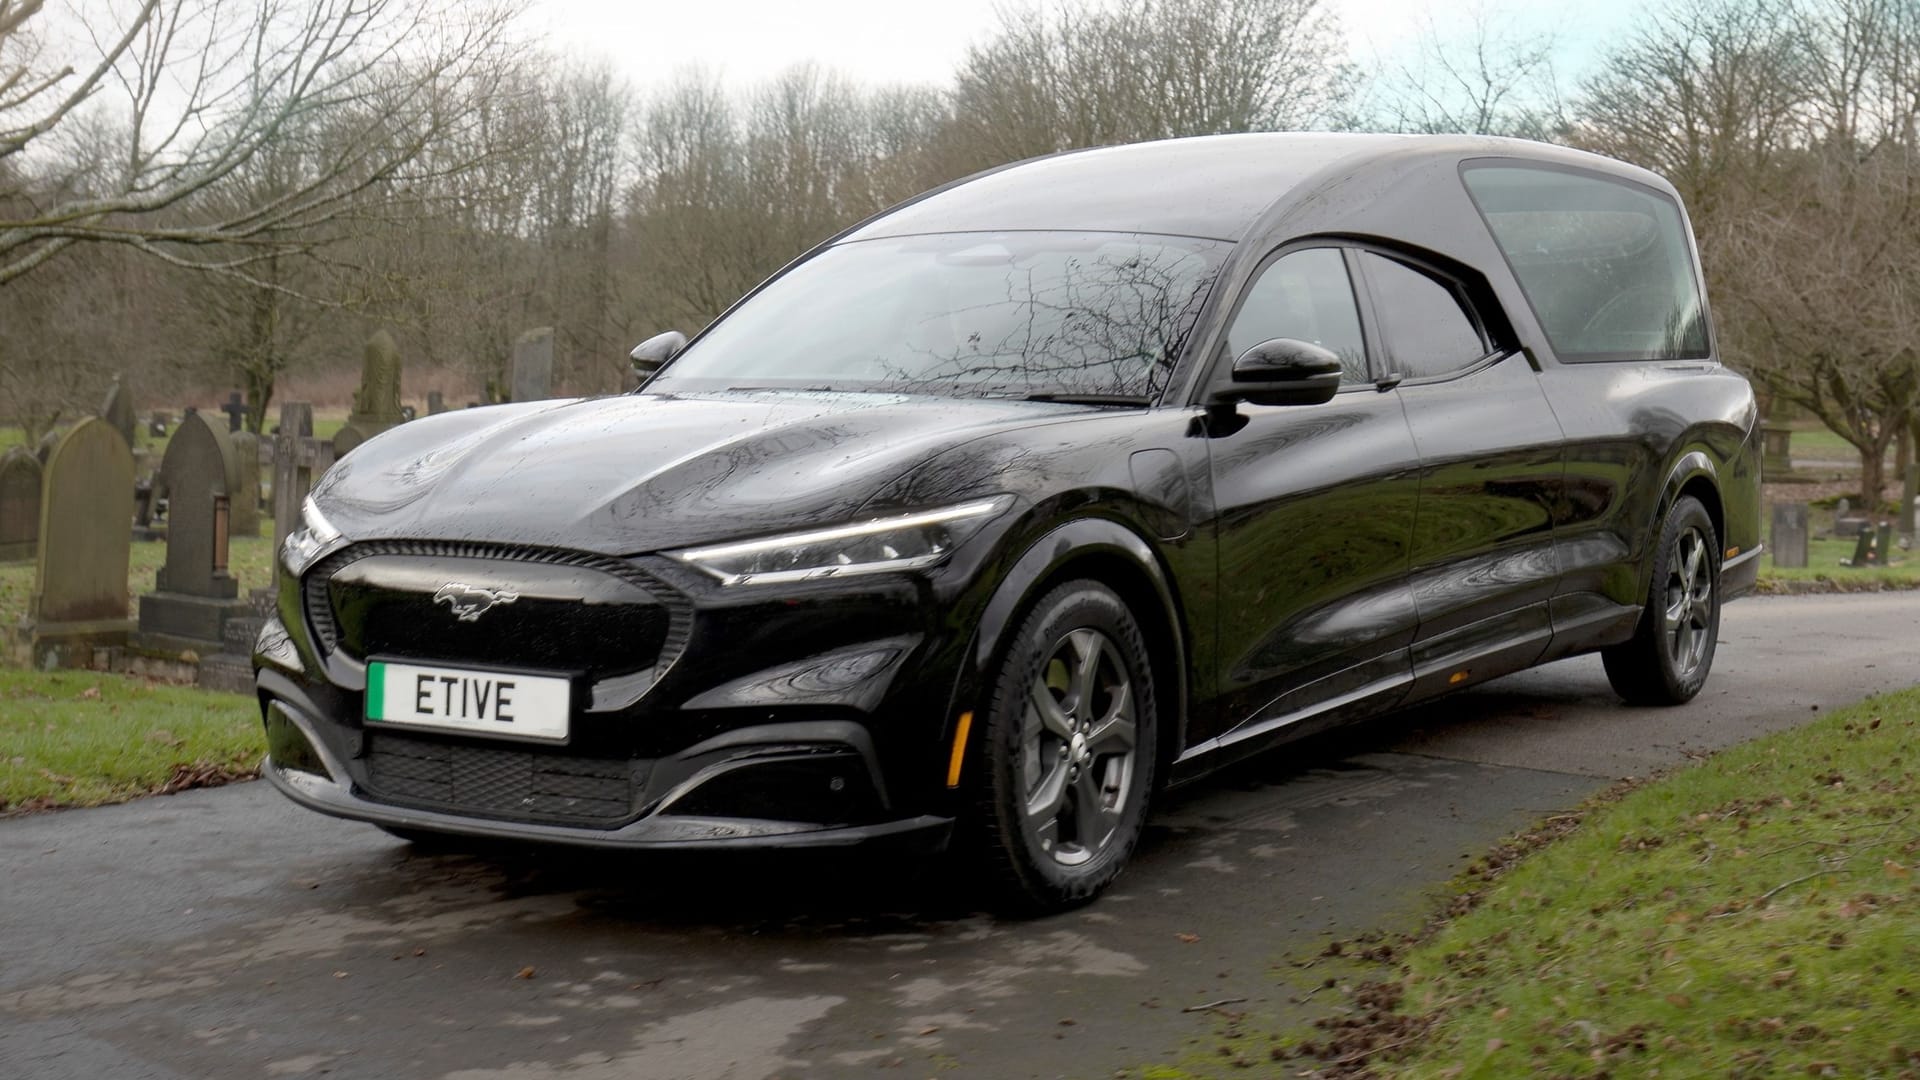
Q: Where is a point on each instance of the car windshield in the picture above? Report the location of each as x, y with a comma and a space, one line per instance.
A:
1025, 314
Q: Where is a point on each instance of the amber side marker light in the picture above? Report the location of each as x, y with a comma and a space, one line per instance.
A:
1732, 551
960, 729
1458, 677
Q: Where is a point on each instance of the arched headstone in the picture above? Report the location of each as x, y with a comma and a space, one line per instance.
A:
194, 592
80, 578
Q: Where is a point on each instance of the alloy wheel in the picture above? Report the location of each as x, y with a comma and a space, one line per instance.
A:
1078, 748
1688, 602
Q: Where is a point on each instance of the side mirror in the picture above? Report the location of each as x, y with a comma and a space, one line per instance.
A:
657, 350
1282, 371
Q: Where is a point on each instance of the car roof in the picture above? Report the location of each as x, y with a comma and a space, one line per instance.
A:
1215, 186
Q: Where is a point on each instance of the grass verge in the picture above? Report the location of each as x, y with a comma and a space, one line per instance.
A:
77, 738
1751, 916
1824, 568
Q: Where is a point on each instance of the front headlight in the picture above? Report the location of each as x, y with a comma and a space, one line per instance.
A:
315, 539
905, 542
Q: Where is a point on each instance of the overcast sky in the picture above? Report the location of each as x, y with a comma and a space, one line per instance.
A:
921, 40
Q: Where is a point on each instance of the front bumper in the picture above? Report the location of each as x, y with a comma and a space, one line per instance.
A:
805, 716
304, 768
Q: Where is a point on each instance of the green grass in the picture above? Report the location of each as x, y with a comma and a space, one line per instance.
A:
1823, 564
249, 559
1752, 916
77, 738
1819, 444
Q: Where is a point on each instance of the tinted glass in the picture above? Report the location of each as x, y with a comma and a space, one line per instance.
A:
1426, 330
1605, 263
1306, 296
970, 314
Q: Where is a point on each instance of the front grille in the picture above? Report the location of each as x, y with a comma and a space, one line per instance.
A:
570, 612
498, 781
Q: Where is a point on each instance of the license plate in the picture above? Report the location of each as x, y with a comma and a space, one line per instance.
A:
457, 699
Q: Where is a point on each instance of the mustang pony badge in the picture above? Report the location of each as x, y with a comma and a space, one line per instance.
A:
469, 602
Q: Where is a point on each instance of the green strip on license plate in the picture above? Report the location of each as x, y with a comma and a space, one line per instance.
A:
376, 691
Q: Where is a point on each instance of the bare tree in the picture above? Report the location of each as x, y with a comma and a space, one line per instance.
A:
1089, 74
192, 91
1481, 78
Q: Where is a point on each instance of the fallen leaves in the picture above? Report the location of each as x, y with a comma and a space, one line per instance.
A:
524, 973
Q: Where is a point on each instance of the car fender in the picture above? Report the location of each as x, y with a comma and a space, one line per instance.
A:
1058, 546
1692, 463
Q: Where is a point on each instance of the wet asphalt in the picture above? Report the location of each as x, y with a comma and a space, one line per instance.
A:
227, 933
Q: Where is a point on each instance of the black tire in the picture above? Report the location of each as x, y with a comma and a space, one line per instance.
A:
1667, 659
1090, 776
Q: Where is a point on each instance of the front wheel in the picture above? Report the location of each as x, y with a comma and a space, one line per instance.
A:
1069, 748
1667, 659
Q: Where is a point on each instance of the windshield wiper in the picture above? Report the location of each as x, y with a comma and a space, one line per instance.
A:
1118, 401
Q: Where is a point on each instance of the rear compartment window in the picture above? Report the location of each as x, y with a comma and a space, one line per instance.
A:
1604, 263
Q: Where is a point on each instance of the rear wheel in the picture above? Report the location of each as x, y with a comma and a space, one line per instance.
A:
1667, 660
1069, 748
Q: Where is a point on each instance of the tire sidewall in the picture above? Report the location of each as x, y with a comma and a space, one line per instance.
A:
1073, 605
1686, 512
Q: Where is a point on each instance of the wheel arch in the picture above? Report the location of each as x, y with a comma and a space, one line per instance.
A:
1121, 559
1693, 473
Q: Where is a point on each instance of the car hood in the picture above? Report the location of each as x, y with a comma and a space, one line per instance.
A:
647, 472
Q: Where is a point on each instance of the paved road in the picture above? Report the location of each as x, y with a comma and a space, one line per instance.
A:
227, 934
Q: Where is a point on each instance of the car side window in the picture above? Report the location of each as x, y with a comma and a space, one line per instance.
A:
1606, 263
1305, 295
1426, 328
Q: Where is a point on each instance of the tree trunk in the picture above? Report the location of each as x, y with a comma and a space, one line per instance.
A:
1873, 468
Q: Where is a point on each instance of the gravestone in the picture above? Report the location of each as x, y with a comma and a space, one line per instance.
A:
79, 599
299, 459
1776, 450
19, 505
117, 410
236, 410
244, 489
533, 365
1883, 545
43, 450
1862, 550
1846, 523
159, 424
194, 592
1789, 535
376, 405
436, 403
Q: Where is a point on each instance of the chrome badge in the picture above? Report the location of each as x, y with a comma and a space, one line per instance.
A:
469, 602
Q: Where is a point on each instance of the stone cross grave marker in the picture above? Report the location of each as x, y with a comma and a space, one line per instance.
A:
80, 579
19, 505
1789, 534
236, 410
243, 491
533, 365
298, 460
117, 410
194, 592
376, 405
